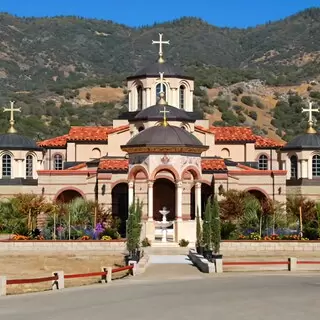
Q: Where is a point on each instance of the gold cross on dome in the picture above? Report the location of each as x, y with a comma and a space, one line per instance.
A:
12, 110
310, 110
165, 111
160, 42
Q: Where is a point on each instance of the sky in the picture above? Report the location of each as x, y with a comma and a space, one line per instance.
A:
222, 13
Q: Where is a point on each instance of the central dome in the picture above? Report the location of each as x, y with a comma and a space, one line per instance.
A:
153, 113
164, 139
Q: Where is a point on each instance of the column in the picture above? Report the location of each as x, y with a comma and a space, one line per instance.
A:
179, 201
197, 195
150, 201
130, 102
130, 193
148, 97
304, 169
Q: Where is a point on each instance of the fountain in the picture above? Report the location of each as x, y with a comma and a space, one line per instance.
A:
164, 224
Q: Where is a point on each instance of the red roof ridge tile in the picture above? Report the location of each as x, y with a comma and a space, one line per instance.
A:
78, 166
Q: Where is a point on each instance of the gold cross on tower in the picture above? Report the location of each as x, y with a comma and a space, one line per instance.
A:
165, 123
310, 120
160, 43
12, 110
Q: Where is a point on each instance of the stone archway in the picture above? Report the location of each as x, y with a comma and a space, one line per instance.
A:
164, 195
68, 195
206, 192
259, 194
120, 205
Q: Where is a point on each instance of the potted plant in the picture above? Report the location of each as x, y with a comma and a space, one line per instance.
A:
134, 231
216, 229
199, 241
207, 234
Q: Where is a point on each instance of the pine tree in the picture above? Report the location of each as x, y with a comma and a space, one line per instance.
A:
207, 222
216, 225
198, 230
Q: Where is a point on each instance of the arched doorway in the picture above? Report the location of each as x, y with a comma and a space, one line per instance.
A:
258, 194
120, 205
206, 192
67, 196
164, 195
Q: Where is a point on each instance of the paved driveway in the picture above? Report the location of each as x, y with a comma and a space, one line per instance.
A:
226, 296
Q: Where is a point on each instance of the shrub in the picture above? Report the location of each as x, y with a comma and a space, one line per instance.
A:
110, 232
237, 91
247, 100
253, 115
315, 94
183, 243
241, 118
259, 104
227, 229
216, 226
146, 242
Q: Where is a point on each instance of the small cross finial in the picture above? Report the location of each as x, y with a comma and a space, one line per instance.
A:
310, 110
12, 110
165, 111
160, 43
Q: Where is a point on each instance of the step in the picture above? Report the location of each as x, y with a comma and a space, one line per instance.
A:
159, 244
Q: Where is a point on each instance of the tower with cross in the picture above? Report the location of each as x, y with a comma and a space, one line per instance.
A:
12, 110
310, 110
160, 42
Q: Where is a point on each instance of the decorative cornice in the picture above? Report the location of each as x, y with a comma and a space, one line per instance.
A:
164, 149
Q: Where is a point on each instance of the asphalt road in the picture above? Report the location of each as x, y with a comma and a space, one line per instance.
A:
227, 296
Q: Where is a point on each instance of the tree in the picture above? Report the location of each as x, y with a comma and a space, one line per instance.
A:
216, 226
199, 235
207, 223
134, 228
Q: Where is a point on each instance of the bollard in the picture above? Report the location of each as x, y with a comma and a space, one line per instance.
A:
219, 265
104, 276
109, 274
134, 269
292, 265
3, 286
58, 284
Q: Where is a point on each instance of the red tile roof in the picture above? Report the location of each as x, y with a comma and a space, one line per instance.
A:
264, 142
78, 166
233, 134
82, 134
54, 142
114, 164
213, 165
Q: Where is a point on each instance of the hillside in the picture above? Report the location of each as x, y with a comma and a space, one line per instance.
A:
46, 62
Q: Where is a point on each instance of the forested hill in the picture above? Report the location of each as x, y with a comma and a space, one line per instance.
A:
46, 53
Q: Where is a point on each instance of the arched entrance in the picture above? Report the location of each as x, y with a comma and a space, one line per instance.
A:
68, 195
258, 194
120, 205
164, 195
206, 192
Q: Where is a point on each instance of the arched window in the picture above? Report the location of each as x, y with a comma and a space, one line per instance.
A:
182, 92
158, 90
6, 166
225, 153
139, 94
294, 167
57, 162
316, 166
29, 166
263, 162
96, 153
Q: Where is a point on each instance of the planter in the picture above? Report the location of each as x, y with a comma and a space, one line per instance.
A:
200, 250
207, 254
134, 256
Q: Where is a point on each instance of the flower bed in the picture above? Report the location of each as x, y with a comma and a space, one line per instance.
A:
274, 237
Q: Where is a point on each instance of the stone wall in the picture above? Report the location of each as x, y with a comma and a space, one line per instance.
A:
63, 246
269, 247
